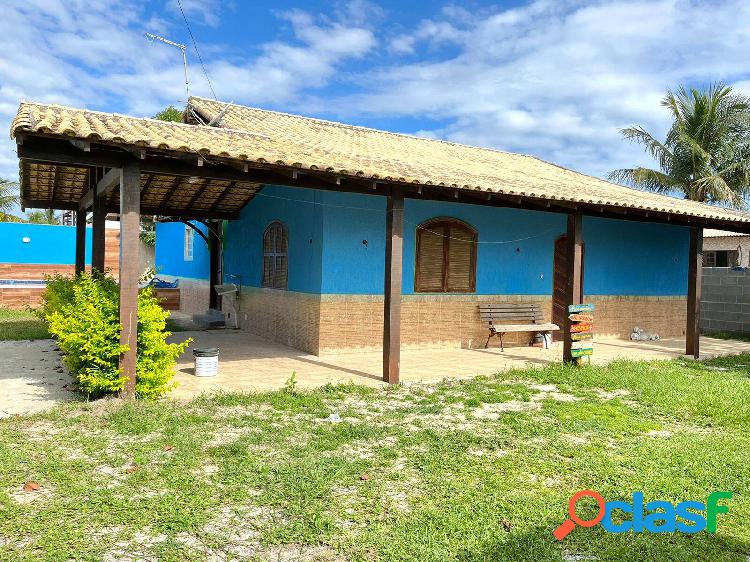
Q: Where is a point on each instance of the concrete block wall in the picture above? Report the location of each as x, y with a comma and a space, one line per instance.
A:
725, 300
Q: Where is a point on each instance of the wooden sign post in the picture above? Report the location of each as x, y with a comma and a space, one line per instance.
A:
581, 318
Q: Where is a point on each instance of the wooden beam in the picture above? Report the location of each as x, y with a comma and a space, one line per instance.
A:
130, 225
101, 189
47, 204
394, 239
47, 151
226, 191
80, 241
695, 271
97, 223
574, 278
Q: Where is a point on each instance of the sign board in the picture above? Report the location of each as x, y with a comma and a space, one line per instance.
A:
581, 321
574, 308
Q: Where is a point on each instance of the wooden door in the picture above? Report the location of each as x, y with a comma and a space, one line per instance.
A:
560, 283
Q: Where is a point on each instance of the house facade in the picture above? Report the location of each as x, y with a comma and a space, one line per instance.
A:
332, 229
311, 267
722, 248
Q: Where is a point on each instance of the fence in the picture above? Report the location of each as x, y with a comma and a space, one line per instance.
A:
725, 300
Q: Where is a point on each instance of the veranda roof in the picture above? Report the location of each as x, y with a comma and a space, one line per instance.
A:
279, 140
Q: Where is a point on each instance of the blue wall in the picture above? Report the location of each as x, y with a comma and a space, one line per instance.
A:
328, 253
300, 212
169, 256
633, 258
515, 249
48, 243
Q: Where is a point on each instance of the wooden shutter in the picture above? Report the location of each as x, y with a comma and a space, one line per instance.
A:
430, 260
461, 259
446, 258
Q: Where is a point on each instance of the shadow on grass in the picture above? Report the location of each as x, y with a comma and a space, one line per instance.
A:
538, 545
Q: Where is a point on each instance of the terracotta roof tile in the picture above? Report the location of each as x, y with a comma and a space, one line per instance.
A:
278, 138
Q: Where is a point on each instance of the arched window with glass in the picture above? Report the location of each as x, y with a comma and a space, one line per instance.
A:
275, 264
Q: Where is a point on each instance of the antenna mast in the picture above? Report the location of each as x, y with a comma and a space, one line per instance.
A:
179, 46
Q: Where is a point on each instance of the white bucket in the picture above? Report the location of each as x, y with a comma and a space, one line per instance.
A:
206, 362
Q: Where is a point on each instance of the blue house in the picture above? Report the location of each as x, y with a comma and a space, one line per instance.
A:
347, 238
311, 265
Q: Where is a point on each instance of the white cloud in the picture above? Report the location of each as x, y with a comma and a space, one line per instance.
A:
95, 55
558, 79
555, 79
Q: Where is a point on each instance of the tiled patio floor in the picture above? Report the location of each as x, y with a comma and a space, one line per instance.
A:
248, 362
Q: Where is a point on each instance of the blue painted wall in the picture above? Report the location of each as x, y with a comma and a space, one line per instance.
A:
337, 245
632, 258
300, 211
169, 256
48, 243
515, 249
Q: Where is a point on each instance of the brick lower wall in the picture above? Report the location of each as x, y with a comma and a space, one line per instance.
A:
285, 317
355, 322
194, 294
322, 324
618, 315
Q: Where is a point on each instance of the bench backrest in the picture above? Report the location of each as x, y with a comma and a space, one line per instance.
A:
511, 313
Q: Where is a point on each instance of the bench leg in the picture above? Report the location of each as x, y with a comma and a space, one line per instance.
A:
488, 340
502, 348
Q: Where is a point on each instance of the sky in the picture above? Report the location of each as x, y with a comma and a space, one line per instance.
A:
554, 79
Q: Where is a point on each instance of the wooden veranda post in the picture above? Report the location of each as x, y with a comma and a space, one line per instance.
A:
573, 289
80, 241
97, 224
130, 224
394, 236
695, 271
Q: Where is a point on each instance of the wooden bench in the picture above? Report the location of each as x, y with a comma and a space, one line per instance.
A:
510, 317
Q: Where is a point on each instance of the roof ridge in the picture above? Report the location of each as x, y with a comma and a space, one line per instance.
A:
372, 129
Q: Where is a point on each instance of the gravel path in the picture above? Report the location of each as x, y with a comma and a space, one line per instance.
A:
32, 376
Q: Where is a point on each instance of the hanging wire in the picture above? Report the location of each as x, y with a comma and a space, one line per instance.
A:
349, 207
197, 52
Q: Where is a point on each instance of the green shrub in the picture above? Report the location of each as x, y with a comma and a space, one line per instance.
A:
83, 315
156, 357
59, 292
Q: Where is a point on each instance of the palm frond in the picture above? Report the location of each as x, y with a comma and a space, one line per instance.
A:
654, 147
646, 179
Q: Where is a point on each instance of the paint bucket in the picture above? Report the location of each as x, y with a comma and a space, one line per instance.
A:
206, 362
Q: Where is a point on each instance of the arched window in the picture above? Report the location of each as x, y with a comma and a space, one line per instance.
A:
275, 256
446, 258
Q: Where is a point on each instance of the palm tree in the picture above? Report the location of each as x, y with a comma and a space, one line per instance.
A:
8, 195
706, 154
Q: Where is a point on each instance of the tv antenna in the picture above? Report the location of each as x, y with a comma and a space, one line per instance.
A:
151, 37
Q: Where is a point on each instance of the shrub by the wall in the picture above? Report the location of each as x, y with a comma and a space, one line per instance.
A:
83, 315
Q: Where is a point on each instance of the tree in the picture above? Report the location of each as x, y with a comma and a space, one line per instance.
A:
170, 113
46, 216
8, 195
706, 154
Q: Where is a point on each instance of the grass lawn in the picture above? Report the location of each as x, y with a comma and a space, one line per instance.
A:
21, 325
456, 471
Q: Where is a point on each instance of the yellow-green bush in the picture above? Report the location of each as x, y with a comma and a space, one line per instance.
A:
83, 315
